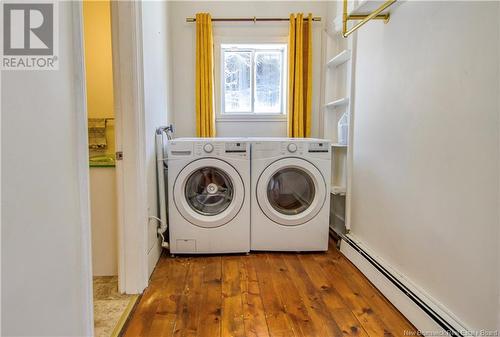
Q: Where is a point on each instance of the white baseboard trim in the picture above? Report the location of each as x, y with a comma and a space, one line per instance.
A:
428, 315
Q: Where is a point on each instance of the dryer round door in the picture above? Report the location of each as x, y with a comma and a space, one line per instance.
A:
208, 192
291, 191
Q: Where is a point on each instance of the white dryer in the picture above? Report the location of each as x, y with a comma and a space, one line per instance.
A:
209, 199
290, 194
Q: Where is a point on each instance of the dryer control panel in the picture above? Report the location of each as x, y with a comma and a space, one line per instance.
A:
295, 148
319, 147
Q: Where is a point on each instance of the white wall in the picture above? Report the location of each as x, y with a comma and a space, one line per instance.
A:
157, 98
183, 57
104, 221
498, 96
46, 288
426, 151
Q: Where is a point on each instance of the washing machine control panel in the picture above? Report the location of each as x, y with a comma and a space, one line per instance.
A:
236, 147
292, 148
233, 149
208, 148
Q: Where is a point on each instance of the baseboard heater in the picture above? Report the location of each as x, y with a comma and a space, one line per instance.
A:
436, 317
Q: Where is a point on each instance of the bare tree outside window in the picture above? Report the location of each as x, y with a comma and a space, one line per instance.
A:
252, 79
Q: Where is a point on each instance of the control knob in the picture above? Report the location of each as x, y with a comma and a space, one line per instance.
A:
292, 147
208, 148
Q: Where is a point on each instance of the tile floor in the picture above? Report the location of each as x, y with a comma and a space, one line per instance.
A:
110, 306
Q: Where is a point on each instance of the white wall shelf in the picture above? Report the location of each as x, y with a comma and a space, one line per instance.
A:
368, 6
338, 103
340, 217
339, 59
338, 190
339, 146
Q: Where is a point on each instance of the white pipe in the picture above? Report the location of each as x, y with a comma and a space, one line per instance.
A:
162, 202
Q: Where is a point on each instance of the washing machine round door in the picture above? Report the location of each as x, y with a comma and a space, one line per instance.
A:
291, 191
208, 192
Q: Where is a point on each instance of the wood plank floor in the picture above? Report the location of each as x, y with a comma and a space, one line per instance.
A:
263, 294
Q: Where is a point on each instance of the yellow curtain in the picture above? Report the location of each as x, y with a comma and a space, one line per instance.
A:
300, 76
205, 118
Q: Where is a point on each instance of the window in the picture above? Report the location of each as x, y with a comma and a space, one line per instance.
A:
252, 80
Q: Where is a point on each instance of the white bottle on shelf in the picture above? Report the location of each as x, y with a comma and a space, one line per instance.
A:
342, 129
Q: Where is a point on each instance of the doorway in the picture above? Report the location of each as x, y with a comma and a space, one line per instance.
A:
117, 264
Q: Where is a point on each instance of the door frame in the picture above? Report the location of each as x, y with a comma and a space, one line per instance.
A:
128, 87
126, 22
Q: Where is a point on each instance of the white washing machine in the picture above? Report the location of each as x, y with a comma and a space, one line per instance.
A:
209, 197
290, 194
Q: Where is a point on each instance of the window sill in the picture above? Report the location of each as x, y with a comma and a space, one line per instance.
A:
251, 118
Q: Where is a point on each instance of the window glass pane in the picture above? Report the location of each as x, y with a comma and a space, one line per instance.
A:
237, 81
268, 72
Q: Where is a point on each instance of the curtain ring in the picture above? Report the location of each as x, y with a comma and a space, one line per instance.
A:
254, 19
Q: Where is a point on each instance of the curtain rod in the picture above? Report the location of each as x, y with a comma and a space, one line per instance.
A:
252, 19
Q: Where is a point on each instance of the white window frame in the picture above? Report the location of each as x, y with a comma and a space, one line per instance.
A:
218, 76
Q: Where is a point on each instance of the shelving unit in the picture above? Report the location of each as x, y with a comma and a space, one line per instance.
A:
339, 56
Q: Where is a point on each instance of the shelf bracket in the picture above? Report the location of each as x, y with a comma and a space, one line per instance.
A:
375, 15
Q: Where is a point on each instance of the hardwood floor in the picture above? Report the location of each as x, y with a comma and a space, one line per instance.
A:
263, 294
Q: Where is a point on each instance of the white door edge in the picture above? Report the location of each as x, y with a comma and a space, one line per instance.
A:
126, 28
83, 169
